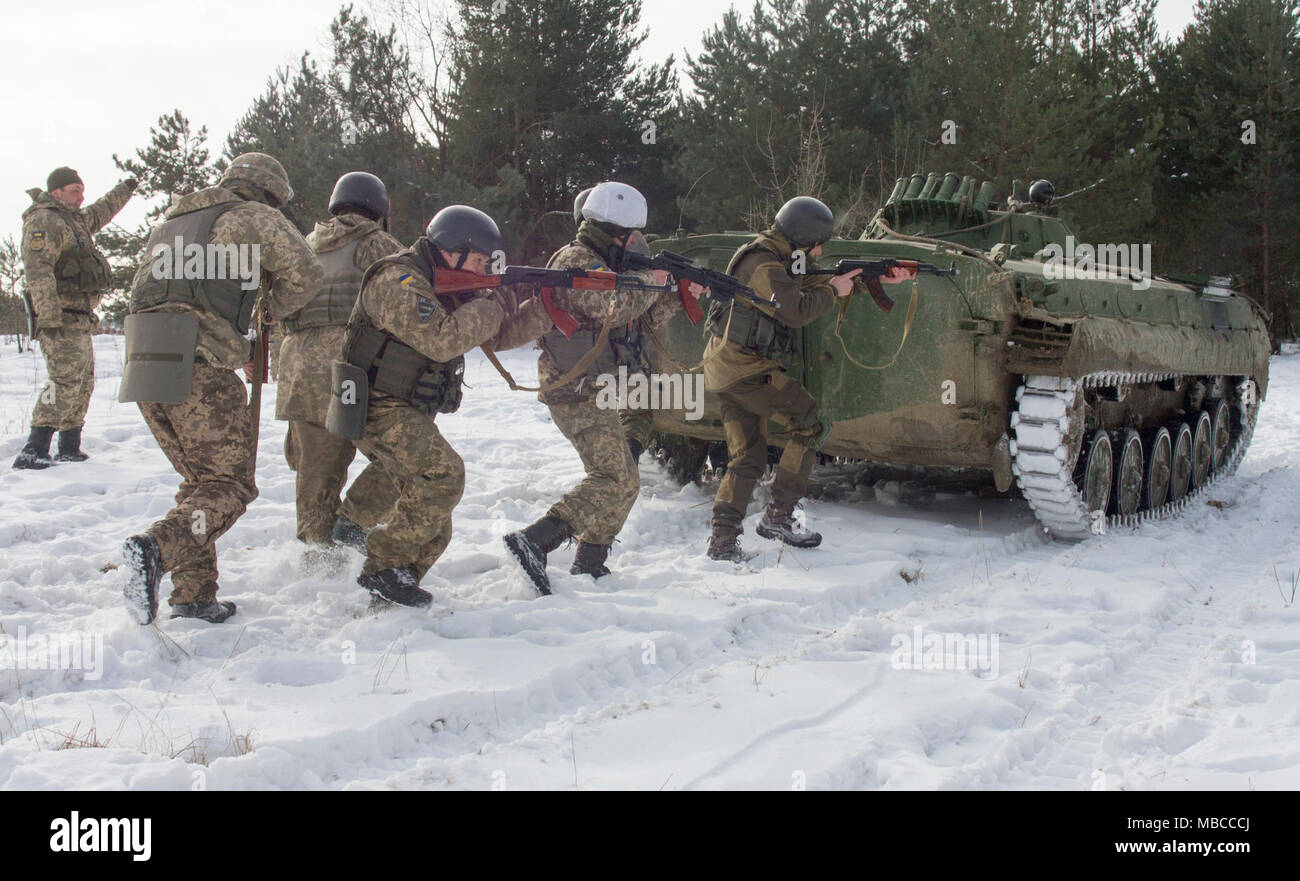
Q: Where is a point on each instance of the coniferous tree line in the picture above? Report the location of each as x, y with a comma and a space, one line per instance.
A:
516, 105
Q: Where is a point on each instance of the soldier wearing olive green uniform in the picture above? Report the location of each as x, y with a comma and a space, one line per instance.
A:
65, 277
411, 342
208, 435
347, 244
742, 365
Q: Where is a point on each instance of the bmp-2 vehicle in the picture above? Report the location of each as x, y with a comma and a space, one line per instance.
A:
1109, 396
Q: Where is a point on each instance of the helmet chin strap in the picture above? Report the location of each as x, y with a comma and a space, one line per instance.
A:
464, 255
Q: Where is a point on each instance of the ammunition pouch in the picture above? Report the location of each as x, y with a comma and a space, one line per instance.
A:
159, 357
396, 369
224, 296
349, 401
332, 306
81, 270
754, 332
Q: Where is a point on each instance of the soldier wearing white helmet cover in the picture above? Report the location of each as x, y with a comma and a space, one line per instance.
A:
594, 511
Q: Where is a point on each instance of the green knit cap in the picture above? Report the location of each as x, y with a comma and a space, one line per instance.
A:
61, 177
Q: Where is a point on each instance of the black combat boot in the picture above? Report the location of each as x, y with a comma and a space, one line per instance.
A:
531, 546
144, 562
780, 524
724, 544
634, 447
590, 560
214, 611
349, 534
37, 452
70, 446
397, 586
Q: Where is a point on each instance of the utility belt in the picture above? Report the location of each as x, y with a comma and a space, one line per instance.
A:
754, 332
396, 369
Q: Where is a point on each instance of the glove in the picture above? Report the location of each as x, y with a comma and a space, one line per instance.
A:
131, 183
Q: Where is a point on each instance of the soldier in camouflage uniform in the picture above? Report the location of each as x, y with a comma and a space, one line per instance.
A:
208, 436
638, 424
411, 343
347, 244
66, 276
596, 509
742, 365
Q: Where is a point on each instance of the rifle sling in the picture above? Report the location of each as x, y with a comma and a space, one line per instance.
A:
571, 374
259, 369
907, 328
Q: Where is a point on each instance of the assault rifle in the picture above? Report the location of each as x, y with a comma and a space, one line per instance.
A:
872, 270
458, 281
723, 287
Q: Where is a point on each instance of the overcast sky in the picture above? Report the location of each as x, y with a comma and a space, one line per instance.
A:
84, 79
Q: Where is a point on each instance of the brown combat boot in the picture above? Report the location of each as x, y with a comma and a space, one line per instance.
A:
779, 524
724, 544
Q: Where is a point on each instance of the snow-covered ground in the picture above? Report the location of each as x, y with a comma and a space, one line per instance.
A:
1162, 658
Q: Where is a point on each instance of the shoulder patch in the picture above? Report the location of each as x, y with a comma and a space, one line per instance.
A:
36, 239
426, 307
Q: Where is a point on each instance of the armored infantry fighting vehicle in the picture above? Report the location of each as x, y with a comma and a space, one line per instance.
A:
1108, 396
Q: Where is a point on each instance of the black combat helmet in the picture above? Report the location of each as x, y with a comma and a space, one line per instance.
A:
578, 202
1041, 192
360, 189
461, 229
805, 221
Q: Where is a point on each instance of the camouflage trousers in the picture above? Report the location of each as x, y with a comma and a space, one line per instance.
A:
638, 425
70, 363
598, 506
208, 438
320, 460
429, 478
746, 408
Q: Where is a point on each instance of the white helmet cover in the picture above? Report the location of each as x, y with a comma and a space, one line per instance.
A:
616, 203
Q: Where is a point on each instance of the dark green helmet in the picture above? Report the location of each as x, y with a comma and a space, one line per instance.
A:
805, 221
360, 189
461, 229
578, 203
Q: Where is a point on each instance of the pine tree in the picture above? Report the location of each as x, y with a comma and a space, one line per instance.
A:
13, 310
1230, 192
1058, 90
174, 163
546, 93
800, 98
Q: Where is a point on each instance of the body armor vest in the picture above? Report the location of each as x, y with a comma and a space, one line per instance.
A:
626, 347
224, 296
79, 272
752, 329
338, 294
396, 369
627, 342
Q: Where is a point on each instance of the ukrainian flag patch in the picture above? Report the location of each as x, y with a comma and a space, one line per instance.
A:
406, 279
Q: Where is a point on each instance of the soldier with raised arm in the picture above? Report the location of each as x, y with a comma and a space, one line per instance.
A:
65, 279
